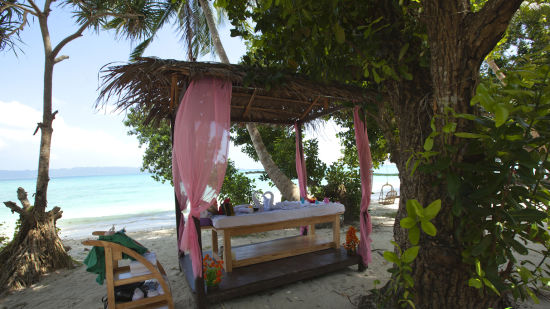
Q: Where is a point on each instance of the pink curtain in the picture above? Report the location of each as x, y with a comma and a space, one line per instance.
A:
365, 168
201, 140
180, 198
300, 168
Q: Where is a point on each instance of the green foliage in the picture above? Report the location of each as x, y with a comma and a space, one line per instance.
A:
300, 36
343, 185
281, 145
236, 186
402, 280
157, 158
528, 34
378, 144
12, 21
500, 193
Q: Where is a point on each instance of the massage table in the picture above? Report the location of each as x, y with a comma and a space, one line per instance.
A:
282, 215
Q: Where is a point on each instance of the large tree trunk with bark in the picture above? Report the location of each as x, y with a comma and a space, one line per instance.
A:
287, 188
35, 250
459, 41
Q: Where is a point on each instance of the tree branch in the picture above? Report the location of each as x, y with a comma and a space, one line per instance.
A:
20, 28
14, 208
71, 37
35, 7
22, 7
22, 197
60, 58
488, 25
56, 213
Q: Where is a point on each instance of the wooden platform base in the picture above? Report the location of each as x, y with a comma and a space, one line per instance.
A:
264, 276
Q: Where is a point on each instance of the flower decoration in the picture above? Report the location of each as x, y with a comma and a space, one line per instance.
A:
351, 239
212, 270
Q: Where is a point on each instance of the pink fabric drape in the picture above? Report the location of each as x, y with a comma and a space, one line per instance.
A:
181, 199
365, 168
300, 162
201, 141
301, 168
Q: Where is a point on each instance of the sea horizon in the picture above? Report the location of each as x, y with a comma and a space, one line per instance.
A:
135, 202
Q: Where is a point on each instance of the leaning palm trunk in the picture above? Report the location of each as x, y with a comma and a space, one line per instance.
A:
287, 188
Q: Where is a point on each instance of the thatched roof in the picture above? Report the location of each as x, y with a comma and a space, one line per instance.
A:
155, 85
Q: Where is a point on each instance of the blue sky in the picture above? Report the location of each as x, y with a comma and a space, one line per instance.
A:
84, 136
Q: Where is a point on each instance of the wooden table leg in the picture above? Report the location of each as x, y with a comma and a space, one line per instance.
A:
215, 242
311, 230
227, 257
336, 231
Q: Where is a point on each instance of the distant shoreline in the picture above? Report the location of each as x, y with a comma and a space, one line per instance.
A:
71, 172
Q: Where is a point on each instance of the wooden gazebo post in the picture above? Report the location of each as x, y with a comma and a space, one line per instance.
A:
174, 104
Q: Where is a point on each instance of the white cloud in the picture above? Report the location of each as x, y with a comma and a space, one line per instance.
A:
71, 145
15, 114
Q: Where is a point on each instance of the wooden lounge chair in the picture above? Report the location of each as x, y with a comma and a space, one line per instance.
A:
116, 275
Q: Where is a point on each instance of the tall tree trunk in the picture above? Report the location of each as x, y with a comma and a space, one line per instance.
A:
287, 188
36, 248
459, 41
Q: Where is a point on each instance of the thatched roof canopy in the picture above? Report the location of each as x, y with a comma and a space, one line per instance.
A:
156, 86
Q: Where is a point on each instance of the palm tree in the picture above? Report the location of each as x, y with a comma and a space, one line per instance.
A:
36, 248
199, 32
287, 188
191, 25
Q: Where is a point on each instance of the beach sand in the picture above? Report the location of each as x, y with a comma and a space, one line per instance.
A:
77, 288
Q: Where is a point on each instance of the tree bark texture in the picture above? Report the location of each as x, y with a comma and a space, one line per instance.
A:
35, 250
459, 41
288, 189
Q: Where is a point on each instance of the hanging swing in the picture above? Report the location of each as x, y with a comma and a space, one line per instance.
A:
387, 195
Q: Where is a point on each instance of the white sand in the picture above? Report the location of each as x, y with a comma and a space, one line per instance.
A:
77, 288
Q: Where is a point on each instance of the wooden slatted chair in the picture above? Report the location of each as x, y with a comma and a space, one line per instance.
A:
116, 275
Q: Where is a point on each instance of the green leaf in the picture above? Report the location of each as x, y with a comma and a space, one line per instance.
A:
466, 116
490, 285
524, 273
453, 184
528, 214
428, 227
519, 247
429, 144
469, 135
432, 210
376, 77
449, 127
407, 222
409, 280
339, 33
481, 246
403, 51
476, 283
501, 115
414, 235
478, 268
410, 254
532, 295
391, 257
412, 206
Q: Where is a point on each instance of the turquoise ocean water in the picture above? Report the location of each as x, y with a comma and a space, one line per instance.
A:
136, 202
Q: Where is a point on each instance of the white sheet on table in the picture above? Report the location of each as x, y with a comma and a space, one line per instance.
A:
281, 211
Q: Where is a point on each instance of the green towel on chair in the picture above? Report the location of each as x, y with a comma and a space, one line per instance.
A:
95, 261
